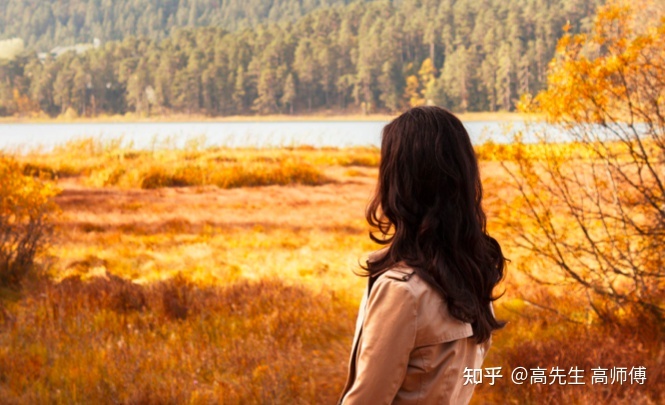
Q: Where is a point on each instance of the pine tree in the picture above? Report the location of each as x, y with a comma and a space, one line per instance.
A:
289, 93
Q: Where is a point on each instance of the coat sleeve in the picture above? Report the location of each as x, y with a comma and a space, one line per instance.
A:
387, 338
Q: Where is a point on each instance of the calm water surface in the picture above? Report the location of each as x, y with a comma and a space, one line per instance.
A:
233, 134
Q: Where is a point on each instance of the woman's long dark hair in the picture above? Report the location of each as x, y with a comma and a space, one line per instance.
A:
428, 209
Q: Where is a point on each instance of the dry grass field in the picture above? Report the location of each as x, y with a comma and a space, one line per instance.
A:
171, 284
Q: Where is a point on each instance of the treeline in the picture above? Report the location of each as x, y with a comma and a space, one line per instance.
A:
364, 56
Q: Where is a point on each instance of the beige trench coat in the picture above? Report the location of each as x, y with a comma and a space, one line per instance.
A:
407, 348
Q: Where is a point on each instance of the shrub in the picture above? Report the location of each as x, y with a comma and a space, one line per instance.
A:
600, 222
41, 171
369, 158
158, 177
234, 175
26, 209
287, 172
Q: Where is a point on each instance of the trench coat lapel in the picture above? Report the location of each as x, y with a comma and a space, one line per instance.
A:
359, 324
360, 320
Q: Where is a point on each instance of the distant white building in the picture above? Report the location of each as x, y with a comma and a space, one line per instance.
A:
78, 48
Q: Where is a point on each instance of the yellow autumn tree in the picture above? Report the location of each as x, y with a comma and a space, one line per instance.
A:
427, 76
24, 104
612, 74
412, 91
417, 85
595, 207
27, 208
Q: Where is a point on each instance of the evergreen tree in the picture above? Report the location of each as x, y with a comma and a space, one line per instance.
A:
289, 94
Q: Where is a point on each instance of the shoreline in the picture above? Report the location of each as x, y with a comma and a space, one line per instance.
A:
182, 118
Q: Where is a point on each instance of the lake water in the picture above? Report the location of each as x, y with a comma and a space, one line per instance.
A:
146, 135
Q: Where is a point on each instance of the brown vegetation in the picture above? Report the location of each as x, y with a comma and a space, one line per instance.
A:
109, 340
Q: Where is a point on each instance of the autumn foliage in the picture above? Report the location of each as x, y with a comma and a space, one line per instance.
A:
600, 218
613, 73
27, 208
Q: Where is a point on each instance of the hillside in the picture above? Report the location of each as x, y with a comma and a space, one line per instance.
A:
363, 57
44, 24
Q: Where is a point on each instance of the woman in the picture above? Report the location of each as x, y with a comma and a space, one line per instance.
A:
426, 314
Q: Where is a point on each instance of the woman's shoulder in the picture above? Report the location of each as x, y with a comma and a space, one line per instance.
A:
437, 325
402, 274
405, 278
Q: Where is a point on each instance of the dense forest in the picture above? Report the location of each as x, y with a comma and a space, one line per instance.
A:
195, 57
44, 24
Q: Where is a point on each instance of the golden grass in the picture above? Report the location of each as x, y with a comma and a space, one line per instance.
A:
110, 163
246, 295
111, 341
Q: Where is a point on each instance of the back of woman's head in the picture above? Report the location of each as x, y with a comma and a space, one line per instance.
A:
427, 207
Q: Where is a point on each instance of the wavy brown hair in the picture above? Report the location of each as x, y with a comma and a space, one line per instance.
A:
428, 209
